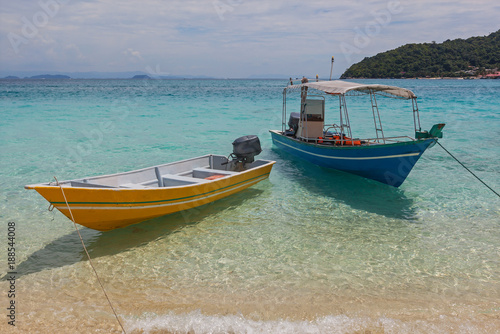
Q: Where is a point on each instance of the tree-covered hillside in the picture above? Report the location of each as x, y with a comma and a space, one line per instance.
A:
454, 58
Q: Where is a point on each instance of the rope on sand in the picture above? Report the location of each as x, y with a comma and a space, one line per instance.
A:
88, 256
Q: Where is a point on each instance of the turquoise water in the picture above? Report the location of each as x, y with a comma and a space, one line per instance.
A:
307, 251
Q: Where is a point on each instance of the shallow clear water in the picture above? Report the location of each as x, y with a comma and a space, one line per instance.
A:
307, 251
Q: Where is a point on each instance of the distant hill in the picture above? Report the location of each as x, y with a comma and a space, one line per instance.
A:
141, 76
452, 58
50, 76
126, 75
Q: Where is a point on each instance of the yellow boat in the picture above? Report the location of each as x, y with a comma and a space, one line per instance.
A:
113, 201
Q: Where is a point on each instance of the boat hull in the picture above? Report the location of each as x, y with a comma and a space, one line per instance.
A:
386, 163
106, 209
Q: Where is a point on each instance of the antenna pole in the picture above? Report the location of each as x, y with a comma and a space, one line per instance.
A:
331, 69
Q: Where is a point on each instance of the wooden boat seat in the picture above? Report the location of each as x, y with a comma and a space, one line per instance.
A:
207, 172
170, 180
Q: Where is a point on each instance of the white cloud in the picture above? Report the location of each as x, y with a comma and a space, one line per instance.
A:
238, 38
132, 54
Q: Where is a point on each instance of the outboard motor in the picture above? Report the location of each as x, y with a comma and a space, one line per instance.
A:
246, 148
293, 122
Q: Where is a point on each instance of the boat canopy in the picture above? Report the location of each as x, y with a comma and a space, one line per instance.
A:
338, 87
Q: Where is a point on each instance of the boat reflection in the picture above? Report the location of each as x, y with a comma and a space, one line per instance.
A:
357, 192
67, 250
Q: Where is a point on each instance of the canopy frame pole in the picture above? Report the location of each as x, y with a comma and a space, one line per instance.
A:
283, 113
416, 114
376, 116
344, 119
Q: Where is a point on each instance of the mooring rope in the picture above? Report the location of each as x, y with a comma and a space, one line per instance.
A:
88, 256
451, 155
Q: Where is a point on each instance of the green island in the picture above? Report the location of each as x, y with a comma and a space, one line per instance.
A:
475, 57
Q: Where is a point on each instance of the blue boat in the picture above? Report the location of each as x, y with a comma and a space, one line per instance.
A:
385, 159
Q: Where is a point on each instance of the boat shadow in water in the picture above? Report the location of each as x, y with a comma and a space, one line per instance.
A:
67, 250
355, 191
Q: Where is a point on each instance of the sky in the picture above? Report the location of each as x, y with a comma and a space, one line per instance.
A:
225, 38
